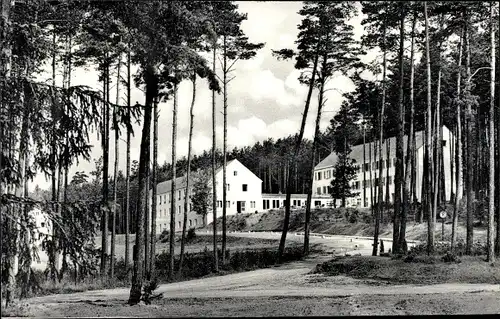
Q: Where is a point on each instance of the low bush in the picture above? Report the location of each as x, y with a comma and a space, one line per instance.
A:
197, 265
164, 236
478, 249
191, 234
347, 266
450, 258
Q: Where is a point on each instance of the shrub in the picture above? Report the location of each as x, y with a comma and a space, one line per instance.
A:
121, 272
164, 236
191, 234
450, 258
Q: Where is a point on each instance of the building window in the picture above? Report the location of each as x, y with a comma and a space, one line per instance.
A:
319, 176
356, 185
190, 223
317, 203
179, 224
390, 180
235, 173
328, 174
298, 202
196, 222
318, 190
179, 194
252, 204
190, 207
366, 167
244, 187
358, 203
324, 189
227, 203
228, 187
179, 211
168, 195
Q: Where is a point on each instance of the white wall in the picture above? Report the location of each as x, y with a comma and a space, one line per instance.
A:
252, 196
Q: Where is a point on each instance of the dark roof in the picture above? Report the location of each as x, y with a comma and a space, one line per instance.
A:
357, 150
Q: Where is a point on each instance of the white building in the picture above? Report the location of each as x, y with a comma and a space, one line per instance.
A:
323, 172
243, 195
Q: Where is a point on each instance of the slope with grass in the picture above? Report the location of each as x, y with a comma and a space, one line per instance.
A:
349, 222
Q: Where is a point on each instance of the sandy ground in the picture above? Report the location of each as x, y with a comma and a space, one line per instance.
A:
287, 290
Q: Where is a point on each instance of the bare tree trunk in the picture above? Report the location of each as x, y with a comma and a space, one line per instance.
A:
363, 165
371, 176
214, 181
117, 161
298, 142
469, 123
147, 215
137, 275
379, 209
224, 154
387, 188
491, 186
187, 197
127, 174
154, 199
430, 219
400, 211
172, 192
311, 175
410, 141
438, 143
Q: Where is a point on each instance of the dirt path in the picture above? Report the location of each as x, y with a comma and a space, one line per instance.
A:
287, 287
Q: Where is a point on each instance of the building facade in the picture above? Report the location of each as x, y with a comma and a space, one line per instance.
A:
363, 183
243, 195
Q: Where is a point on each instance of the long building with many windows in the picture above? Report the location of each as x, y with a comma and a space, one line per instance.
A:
243, 195
323, 172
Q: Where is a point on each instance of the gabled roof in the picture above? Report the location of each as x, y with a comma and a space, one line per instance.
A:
180, 182
357, 151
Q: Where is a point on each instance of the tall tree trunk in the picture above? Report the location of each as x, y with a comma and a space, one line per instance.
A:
410, 141
497, 240
173, 189
105, 227
430, 219
127, 174
313, 151
470, 168
187, 197
296, 151
379, 209
137, 274
224, 154
387, 188
400, 211
154, 199
147, 221
363, 165
491, 186
214, 181
438, 144
117, 161
371, 176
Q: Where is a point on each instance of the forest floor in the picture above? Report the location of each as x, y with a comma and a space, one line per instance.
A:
296, 289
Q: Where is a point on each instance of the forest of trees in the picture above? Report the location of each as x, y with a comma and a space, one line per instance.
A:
436, 64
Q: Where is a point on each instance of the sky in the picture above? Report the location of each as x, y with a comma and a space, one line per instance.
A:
265, 99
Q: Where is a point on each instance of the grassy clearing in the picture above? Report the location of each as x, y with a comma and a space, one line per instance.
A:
420, 270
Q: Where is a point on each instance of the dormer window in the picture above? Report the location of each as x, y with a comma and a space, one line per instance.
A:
235, 173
